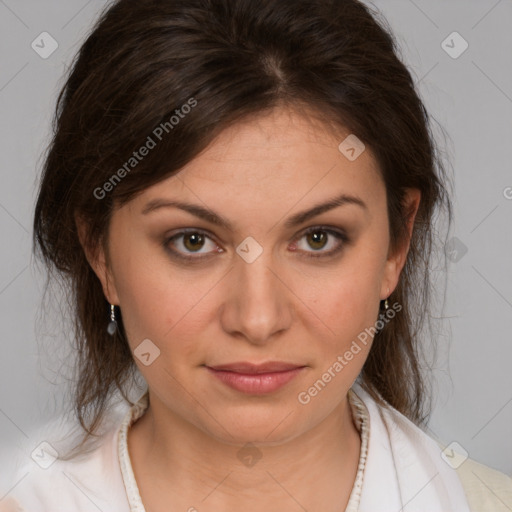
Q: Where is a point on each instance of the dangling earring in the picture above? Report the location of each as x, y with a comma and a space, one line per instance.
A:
386, 305
112, 325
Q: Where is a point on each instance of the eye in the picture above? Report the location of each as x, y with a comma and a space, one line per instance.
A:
318, 238
190, 242
187, 243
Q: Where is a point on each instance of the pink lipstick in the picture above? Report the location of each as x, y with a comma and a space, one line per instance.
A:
255, 378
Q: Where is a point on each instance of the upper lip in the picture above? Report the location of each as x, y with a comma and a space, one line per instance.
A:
245, 367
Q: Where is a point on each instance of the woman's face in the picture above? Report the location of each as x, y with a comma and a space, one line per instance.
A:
260, 290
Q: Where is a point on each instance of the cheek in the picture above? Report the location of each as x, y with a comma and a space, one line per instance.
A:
348, 304
350, 298
144, 295
163, 304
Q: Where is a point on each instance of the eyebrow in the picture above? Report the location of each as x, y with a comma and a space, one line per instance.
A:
214, 218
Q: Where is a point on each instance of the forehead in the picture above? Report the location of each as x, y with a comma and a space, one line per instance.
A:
279, 157
282, 135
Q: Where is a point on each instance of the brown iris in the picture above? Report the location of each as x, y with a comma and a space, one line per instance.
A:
197, 241
317, 237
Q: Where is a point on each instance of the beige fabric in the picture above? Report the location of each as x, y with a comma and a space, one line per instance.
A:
487, 490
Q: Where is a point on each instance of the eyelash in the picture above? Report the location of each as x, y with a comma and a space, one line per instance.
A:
340, 235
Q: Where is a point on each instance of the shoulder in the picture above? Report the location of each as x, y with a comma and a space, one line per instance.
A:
485, 488
87, 483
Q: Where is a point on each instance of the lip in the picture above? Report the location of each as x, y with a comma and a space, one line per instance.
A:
255, 378
255, 368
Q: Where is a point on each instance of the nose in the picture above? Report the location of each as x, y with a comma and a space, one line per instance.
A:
259, 304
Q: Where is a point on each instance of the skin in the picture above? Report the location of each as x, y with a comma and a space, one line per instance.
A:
283, 306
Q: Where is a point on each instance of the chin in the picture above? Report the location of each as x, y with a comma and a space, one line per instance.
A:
262, 427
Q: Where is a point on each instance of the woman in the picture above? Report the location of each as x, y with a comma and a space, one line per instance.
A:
240, 195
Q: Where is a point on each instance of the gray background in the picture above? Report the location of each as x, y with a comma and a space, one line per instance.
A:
470, 96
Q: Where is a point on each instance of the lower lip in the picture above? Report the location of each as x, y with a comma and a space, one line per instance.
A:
255, 383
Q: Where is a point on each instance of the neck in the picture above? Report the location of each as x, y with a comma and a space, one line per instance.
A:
316, 469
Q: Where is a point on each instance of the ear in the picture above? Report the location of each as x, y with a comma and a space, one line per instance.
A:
396, 260
98, 260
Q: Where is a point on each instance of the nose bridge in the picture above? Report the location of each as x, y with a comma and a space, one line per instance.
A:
258, 299
257, 282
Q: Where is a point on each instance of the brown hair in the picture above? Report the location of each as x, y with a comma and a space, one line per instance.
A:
227, 60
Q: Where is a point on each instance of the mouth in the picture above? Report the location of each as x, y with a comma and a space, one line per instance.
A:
256, 378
